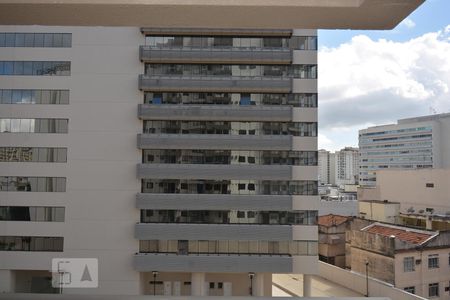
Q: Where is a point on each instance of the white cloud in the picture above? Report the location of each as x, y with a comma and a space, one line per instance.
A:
408, 23
377, 82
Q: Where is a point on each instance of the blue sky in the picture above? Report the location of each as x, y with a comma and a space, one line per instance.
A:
369, 78
433, 15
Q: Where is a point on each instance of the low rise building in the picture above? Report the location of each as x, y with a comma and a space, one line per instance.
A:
416, 261
346, 166
418, 198
332, 239
377, 210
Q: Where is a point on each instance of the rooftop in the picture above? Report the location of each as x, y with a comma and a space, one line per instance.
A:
404, 234
275, 14
332, 220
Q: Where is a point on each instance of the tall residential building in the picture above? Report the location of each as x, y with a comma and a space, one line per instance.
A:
346, 166
326, 164
175, 143
413, 143
338, 168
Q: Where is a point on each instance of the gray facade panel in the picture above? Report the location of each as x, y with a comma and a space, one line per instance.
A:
215, 113
215, 84
242, 232
212, 263
228, 55
213, 202
214, 142
191, 171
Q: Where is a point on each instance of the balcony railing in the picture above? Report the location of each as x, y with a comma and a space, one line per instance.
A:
244, 84
215, 55
215, 112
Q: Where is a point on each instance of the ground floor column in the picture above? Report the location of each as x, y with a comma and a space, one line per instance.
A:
198, 284
258, 286
306, 285
6, 281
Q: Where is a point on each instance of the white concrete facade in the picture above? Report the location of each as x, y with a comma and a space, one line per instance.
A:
413, 143
346, 166
101, 182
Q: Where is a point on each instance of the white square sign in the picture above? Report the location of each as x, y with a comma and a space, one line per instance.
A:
75, 272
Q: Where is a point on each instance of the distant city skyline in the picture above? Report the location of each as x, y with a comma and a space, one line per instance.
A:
401, 73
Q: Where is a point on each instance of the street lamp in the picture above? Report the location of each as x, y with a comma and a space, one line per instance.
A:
154, 282
251, 275
367, 278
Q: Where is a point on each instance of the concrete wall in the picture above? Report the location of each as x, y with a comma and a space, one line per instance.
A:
102, 154
380, 266
409, 188
379, 211
422, 275
357, 283
343, 208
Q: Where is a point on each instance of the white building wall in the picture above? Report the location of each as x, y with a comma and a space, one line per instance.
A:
413, 143
102, 155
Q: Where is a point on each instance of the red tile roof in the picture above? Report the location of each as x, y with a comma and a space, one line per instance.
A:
405, 235
332, 220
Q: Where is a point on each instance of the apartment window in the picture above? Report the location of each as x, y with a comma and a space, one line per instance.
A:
34, 125
295, 71
19, 39
31, 243
231, 247
32, 184
32, 154
433, 261
35, 68
433, 289
429, 185
229, 217
32, 213
408, 264
34, 96
410, 289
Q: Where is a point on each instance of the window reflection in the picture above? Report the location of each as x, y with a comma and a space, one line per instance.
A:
37, 68
295, 71
232, 187
292, 248
33, 125
32, 154
31, 243
307, 217
211, 42
229, 157
56, 40
19, 96
32, 213
231, 128
32, 184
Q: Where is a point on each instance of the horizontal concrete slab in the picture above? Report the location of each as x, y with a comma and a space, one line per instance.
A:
283, 14
244, 172
214, 202
221, 142
213, 263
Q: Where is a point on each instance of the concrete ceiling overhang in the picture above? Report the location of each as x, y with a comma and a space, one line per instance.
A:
276, 14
